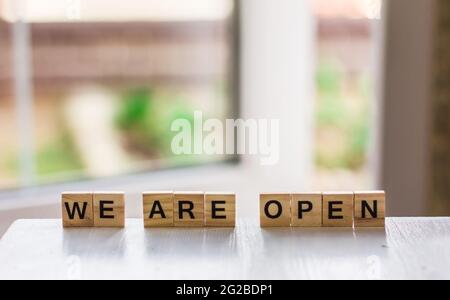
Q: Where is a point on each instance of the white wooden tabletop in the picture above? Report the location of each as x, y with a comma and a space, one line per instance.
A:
409, 248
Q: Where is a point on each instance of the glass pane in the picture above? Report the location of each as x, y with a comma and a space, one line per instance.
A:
345, 91
110, 78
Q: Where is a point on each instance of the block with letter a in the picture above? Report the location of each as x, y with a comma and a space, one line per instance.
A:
158, 209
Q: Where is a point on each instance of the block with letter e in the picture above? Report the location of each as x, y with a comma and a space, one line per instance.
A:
77, 209
109, 209
338, 209
220, 210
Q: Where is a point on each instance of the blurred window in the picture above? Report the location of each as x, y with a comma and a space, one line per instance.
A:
346, 44
108, 78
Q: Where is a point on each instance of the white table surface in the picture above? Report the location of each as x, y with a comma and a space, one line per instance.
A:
409, 248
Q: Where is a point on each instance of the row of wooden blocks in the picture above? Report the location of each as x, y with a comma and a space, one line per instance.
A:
161, 209
197, 209
343, 209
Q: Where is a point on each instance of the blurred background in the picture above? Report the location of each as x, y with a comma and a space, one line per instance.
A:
89, 88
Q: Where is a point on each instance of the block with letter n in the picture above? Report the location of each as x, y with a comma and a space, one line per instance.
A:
370, 209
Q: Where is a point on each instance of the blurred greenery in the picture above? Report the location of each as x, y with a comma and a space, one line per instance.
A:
346, 121
58, 156
9, 164
145, 121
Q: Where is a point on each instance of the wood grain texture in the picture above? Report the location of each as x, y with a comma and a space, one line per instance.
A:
368, 203
408, 248
338, 209
220, 210
306, 210
158, 209
189, 209
275, 210
77, 209
109, 209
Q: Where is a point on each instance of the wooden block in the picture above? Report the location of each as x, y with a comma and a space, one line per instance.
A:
338, 209
275, 210
189, 209
77, 209
109, 209
220, 210
306, 210
158, 209
370, 209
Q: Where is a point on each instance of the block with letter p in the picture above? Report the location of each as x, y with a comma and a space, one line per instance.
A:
306, 210
77, 209
109, 209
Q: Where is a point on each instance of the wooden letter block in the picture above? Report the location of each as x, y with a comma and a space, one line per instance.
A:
189, 209
220, 210
158, 209
77, 209
338, 209
306, 210
370, 208
275, 210
109, 209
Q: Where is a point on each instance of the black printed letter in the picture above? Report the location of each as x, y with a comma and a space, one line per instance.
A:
332, 210
188, 210
76, 209
157, 209
214, 209
104, 209
279, 209
302, 209
366, 207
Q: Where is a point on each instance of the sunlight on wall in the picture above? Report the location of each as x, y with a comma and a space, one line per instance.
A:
116, 10
353, 9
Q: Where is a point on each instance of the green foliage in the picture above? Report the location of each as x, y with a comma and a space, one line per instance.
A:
135, 109
59, 156
350, 123
145, 121
329, 78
